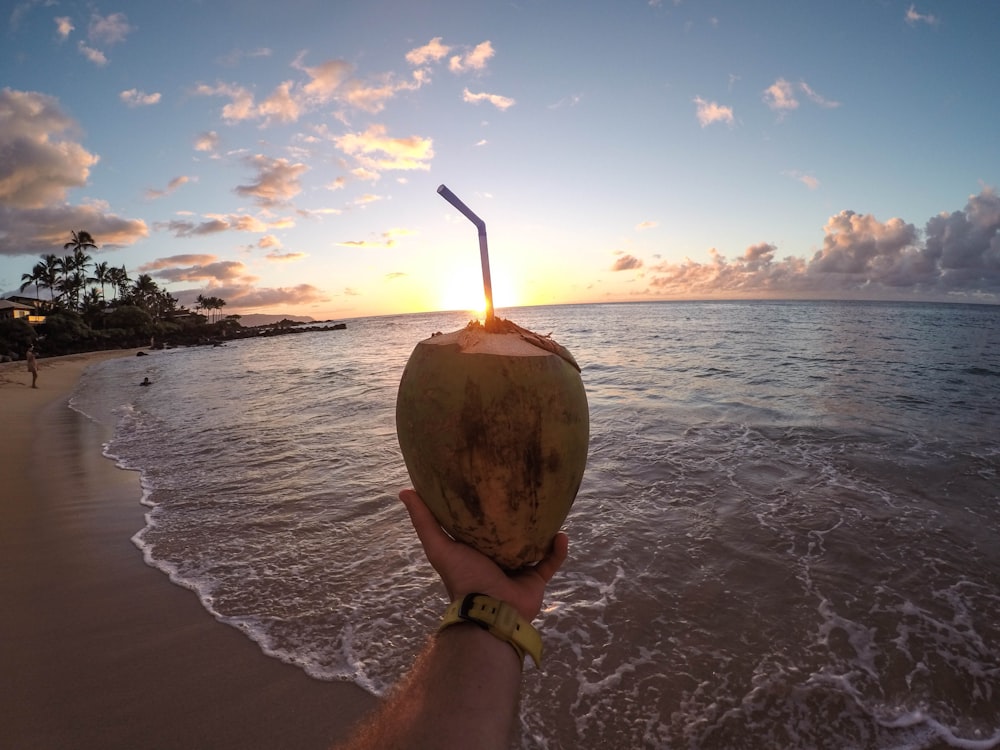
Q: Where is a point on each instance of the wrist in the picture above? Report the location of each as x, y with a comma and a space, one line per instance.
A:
500, 619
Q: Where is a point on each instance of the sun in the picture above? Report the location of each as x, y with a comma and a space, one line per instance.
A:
463, 290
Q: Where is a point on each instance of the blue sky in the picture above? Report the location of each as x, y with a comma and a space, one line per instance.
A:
285, 156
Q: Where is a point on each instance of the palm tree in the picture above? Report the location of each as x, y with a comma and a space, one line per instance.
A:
118, 278
102, 276
50, 276
70, 287
143, 290
81, 241
35, 277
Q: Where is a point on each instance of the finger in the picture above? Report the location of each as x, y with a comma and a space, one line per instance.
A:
555, 557
428, 530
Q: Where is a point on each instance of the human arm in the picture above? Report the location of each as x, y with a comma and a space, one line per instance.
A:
463, 689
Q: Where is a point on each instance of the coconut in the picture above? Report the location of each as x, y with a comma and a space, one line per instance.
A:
493, 425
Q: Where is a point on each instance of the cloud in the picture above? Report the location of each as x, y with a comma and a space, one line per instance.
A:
433, 51
213, 271
246, 297
325, 78
110, 29
175, 183
500, 102
207, 141
375, 150
626, 263
394, 275
277, 180
94, 55
241, 106
279, 257
233, 58
780, 96
646, 225
711, 112
388, 239
913, 17
957, 256
177, 260
64, 27
136, 98
474, 60
329, 82
214, 224
282, 106
567, 101
806, 179
41, 163
43, 230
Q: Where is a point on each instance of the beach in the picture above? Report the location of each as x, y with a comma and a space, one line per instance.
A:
100, 650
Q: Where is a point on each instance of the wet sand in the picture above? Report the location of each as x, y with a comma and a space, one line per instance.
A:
99, 650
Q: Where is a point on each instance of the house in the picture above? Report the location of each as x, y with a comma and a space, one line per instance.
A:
10, 310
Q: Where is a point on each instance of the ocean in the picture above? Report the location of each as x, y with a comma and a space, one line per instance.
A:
788, 534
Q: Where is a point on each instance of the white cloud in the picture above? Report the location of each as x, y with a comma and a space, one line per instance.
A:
41, 164
913, 17
377, 151
207, 141
64, 27
646, 225
277, 180
136, 98
626, 263
433, 51
780, 96
712, 112
94, 55
808, 180
500, 102
474, 60
959, 255
171, 187
110, 29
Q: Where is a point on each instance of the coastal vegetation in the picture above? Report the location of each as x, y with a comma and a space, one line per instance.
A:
88, 305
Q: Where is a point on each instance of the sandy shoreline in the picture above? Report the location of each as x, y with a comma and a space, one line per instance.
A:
99, 650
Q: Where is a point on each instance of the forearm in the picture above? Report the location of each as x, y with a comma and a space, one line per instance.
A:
462, 692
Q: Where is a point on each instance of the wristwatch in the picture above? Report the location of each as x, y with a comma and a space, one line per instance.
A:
500, 619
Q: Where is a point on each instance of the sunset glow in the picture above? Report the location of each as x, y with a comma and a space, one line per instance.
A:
291, 165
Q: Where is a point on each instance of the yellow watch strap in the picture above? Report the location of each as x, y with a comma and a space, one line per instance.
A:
501, 619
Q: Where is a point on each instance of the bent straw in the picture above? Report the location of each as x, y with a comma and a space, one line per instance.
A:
484, 254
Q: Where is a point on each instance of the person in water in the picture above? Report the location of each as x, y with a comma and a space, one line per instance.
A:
146, 381
467, 681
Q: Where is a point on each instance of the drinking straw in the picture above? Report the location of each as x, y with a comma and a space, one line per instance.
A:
484, 254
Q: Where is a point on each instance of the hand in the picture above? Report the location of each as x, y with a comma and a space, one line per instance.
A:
464, 570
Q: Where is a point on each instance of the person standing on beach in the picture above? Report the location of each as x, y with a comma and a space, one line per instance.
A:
32, 365
463, 690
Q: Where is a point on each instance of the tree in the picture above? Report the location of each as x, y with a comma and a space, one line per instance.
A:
50, 276
118, 278
81, 242
102, 276
35, 277
74, 267
143, 290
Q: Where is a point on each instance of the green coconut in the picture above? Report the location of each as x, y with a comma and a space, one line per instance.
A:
493, 425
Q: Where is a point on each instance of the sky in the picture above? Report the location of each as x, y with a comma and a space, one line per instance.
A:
286, 156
